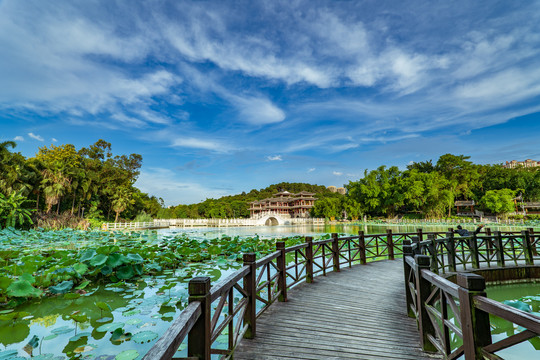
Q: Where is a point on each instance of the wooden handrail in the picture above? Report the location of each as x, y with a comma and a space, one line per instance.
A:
467, 299
168, 344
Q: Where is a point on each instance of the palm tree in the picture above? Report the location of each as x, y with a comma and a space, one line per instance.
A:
121, 200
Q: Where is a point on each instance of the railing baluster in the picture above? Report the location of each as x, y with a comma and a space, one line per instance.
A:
309, 259
335, 252
499, 248
390, 244
451, 246
362, 247
527, 250
250, 286
423, 290
407, 251
282, 265
200, 334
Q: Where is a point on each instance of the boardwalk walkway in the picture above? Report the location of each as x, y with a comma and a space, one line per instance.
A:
356, 314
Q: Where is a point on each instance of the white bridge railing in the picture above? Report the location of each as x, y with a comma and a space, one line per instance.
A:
166, 223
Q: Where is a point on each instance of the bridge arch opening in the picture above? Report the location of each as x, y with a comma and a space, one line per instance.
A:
271, 221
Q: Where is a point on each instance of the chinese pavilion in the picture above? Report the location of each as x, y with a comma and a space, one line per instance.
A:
285, 204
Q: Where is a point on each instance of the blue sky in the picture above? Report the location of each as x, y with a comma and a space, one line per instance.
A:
224, 96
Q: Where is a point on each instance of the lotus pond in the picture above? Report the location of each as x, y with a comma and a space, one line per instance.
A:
525, 297
109, 295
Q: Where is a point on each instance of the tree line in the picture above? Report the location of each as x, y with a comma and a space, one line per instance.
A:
431, 190
89, 182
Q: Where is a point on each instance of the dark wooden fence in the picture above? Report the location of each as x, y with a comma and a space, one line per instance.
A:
453, 318
231, 307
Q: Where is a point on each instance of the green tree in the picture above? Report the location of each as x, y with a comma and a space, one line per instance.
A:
500, 202
12, 211
121, 200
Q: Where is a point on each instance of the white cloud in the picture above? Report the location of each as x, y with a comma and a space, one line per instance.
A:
337, 173
195, 143
36, 137
18, 138
274, 158
54, 140
258, 111
311, 170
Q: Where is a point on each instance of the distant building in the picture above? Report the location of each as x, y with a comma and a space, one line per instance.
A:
284, 204
332, 188
342, 190
527, 163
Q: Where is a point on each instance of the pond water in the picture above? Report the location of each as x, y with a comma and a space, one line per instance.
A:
73, 326
527, 297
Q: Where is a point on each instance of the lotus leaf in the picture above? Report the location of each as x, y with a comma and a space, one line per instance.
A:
135, 258
98, 260
133, 321
22, 288
106, 270
83, 285
8, 354
71, 296
144, 336
110, 327
14, 333
79, 336
79, 317
125, 272
61, 288
62, 330
118, 335
103, 306
88, 255
28, 277
518, 305
80, 268
116, 260
50, 337
127, 355
85, 348
5, 282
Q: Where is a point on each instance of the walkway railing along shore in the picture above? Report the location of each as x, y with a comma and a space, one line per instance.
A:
453, 317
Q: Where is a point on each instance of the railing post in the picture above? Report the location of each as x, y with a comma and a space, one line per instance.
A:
250, 286
309, 259
362, 247
407, 251
390, 244
200, 334
419, 234
533, 245
474, 322
335, 252
282, 267
451, 246
499, 247
432, 248
473, 247
527, 249
416, 240
423, 290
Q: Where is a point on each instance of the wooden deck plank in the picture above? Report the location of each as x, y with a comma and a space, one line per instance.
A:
358, 313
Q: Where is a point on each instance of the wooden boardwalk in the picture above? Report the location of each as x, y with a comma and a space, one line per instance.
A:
356, 314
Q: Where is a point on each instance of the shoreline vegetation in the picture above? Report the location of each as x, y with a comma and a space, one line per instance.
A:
65, 187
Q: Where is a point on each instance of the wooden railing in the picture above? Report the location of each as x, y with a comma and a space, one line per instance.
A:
453, 318
231, 307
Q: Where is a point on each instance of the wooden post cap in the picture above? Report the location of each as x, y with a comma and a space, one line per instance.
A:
199, 285
334, 235
423, 260
249, 257
309, 239
472, 282
280, 245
